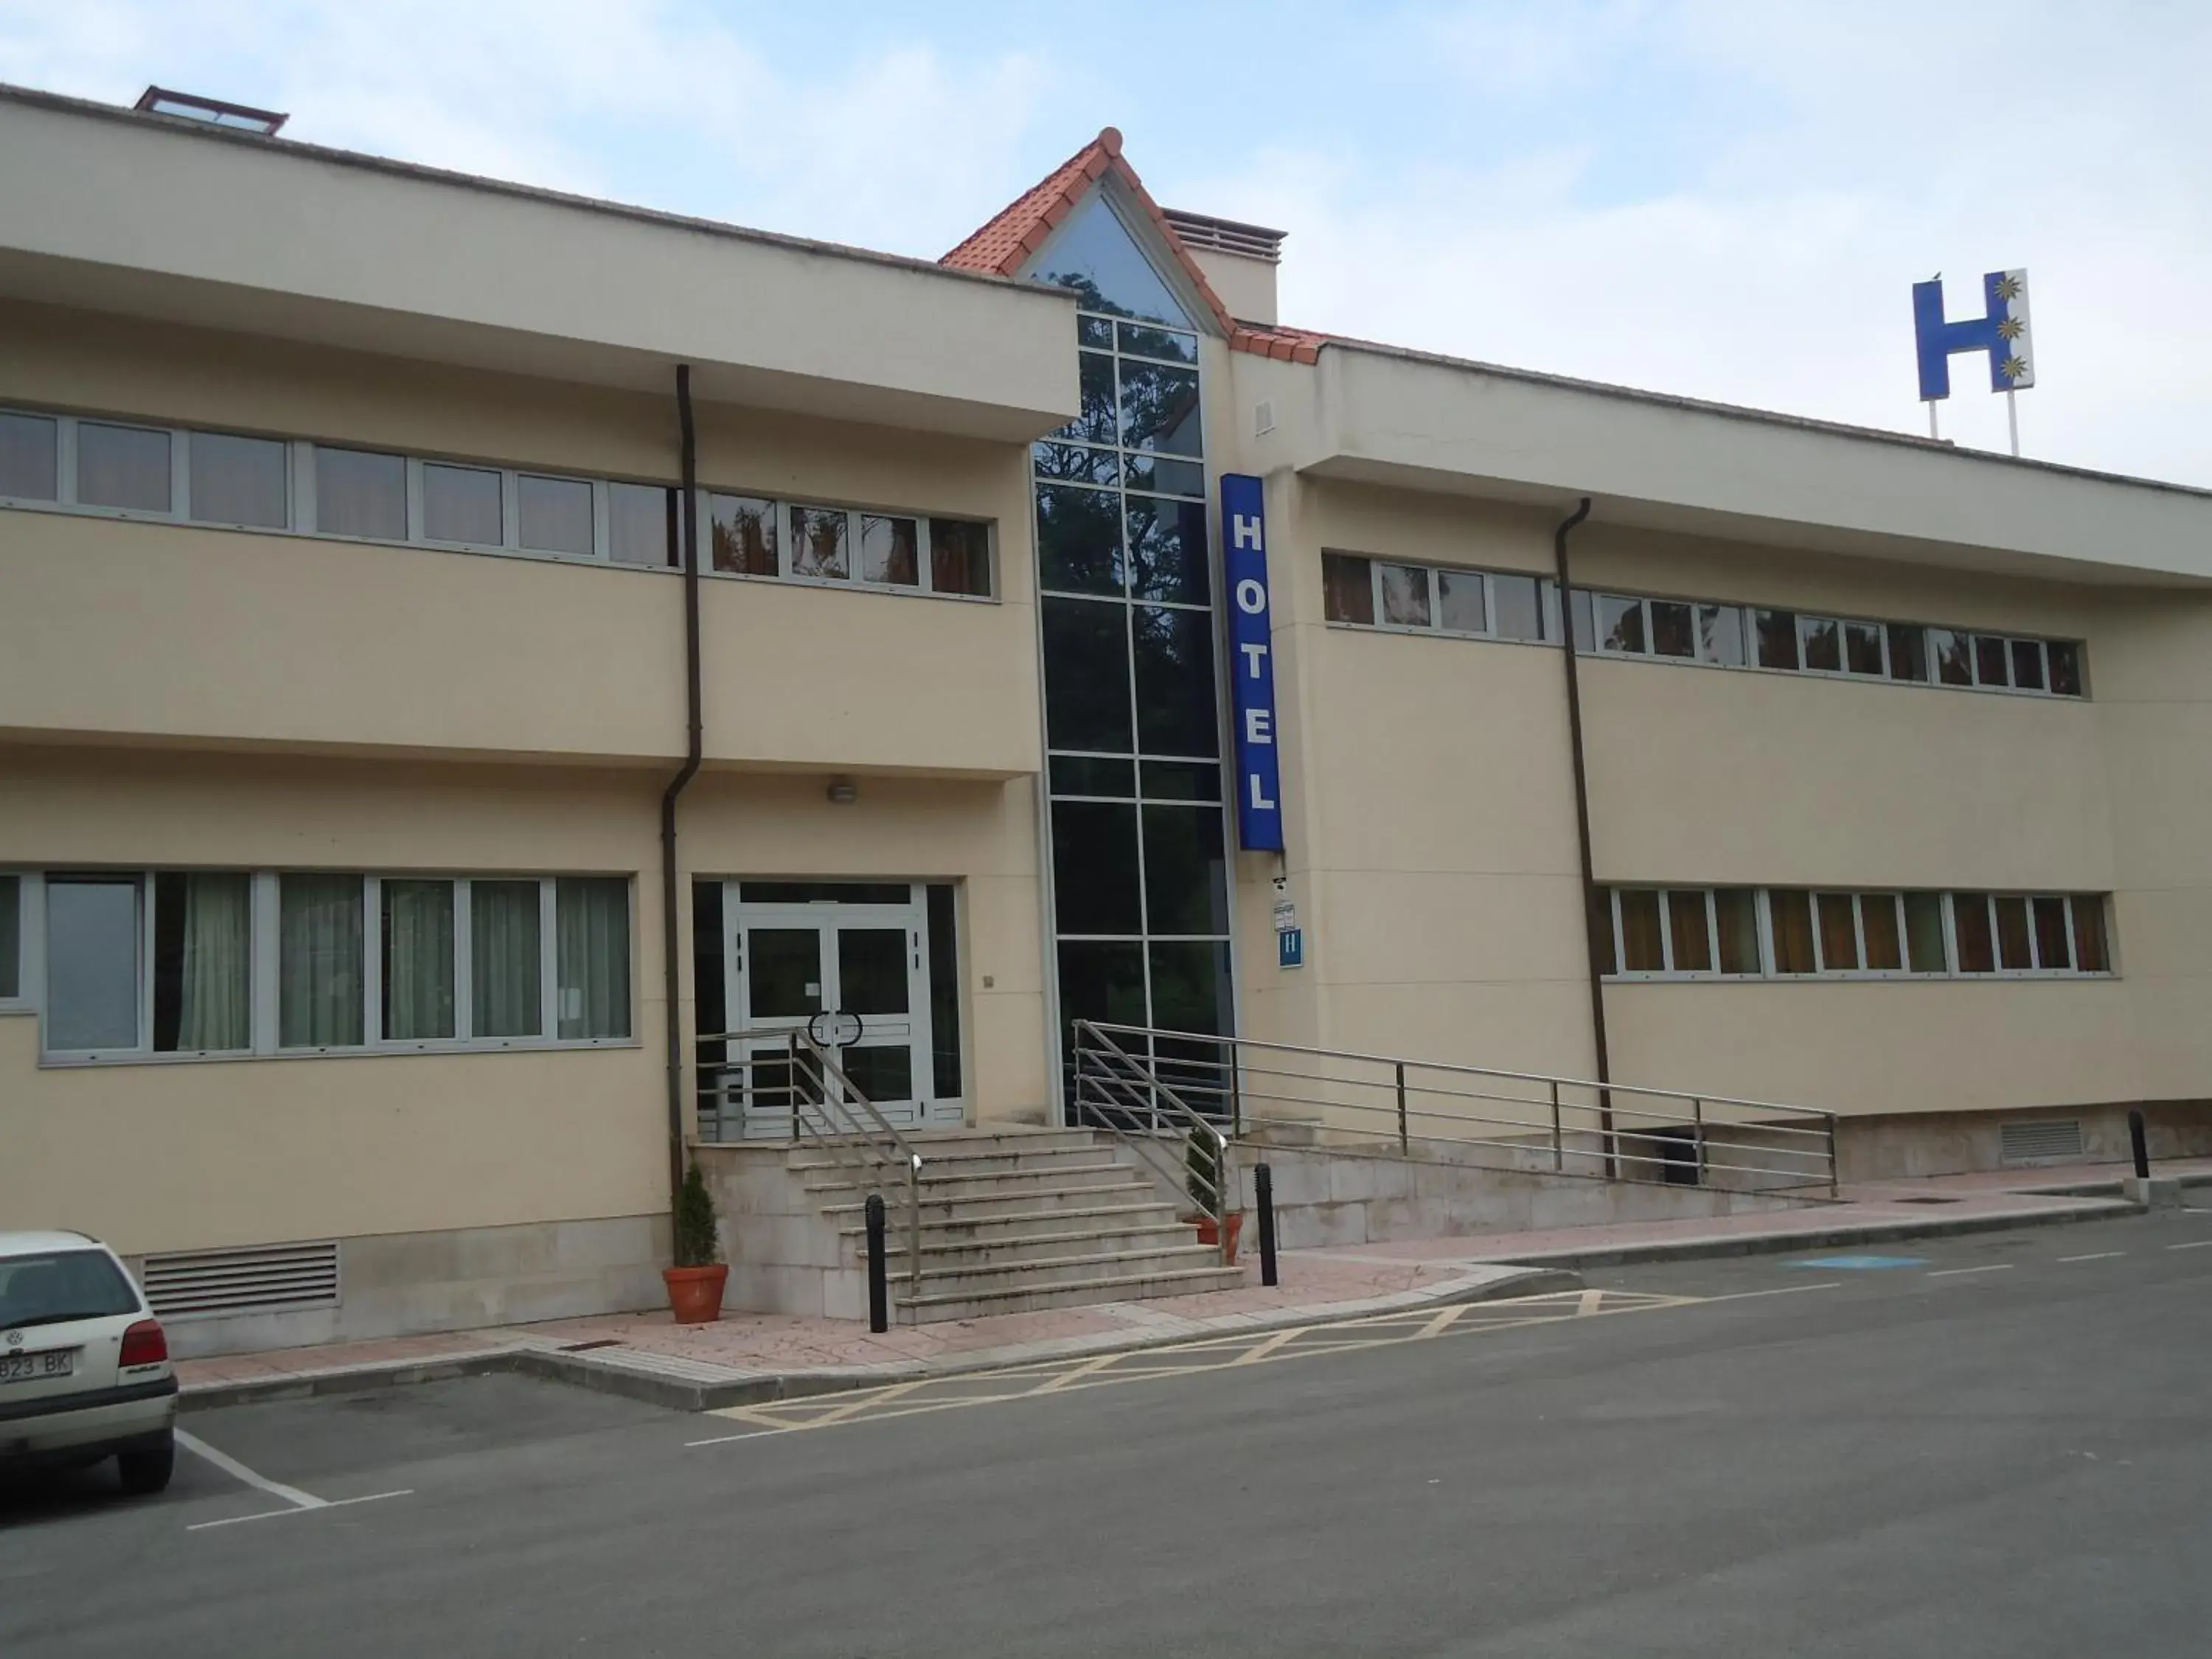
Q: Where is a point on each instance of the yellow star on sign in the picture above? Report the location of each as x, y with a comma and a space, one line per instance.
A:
2011, 329
2013, 367
2008, 287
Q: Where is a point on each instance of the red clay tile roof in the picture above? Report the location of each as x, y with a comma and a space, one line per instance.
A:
1021, 228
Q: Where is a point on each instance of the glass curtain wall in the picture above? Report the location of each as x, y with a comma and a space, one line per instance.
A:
1138, 826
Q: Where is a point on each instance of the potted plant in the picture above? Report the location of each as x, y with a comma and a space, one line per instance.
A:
1202, 1178
694, 1283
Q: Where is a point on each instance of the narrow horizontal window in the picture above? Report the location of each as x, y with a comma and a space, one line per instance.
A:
320, 1001
890, 550
1862, 648
2027, 664
553, 515
2090, 953
1790, 916
1839, 936
1820, 639
1777, 638
1992, 661
2054, 952
1735, 915
1924, 933
417, 956
592, 935
1517, 608
2065, 668
1460, 604
1642, 946
1673, 631
94, 930
361, 494
507, 963
30, 457
642, 525
1970, 926
203, 945
1908, 652
461, 504
2014, 954
237, 481
1620, 625
743, 534
123, 466
1885, 945
1601, 941
1689, 937
1720, 634
960, 557
1405, 595
817, 542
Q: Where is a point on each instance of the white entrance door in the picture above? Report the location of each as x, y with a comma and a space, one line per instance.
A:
851, 972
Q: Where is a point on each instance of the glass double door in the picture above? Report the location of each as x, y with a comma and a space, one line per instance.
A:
853, 975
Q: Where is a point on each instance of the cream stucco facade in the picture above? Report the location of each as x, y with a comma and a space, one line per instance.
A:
179, 695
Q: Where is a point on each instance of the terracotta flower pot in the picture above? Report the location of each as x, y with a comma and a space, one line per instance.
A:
1209, 1234
694, 1294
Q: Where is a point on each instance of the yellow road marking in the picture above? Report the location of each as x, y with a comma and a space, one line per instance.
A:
1441, 1323
1258, 1351
1053, 1385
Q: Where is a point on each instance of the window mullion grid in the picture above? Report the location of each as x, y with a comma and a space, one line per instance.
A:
464, 960
371, 961
548, 995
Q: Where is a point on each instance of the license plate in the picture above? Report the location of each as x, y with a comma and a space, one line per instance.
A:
36, 1367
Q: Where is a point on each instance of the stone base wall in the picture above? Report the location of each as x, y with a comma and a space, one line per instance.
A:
1901, 1148
785, 1255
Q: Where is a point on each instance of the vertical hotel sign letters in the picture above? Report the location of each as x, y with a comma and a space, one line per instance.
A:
1252, 665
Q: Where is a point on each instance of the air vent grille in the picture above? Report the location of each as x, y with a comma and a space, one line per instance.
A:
259, 1279
1203, 230
2050, 1140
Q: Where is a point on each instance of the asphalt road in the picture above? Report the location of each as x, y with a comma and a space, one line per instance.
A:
1990, 1447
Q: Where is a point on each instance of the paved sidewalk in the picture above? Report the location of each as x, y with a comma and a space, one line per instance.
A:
747, 1356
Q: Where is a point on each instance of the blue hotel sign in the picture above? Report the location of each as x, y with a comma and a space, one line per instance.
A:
1251, 664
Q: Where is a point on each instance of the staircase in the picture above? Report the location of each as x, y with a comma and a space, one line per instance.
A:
1015, 1219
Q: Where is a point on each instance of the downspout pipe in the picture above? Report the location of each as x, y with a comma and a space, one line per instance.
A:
671, 905
1590, 907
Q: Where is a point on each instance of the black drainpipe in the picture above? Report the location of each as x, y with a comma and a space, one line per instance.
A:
1590, 918
672, 956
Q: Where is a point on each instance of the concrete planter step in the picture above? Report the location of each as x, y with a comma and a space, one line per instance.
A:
941, 1165
931, 1306
1040, 1247
988, 1205
951, 1188
1019, 1222
1081, 1268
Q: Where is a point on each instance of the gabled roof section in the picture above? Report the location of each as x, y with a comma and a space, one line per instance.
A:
1023, 226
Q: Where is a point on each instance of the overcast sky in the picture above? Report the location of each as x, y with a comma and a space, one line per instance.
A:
1727, 198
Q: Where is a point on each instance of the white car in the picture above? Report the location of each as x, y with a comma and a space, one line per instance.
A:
84, 1366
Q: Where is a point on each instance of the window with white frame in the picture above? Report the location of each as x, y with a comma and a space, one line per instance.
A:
241, 480
139, 964
1494, 604
1787, 932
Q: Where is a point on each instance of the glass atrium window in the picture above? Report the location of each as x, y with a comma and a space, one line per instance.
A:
1094, 255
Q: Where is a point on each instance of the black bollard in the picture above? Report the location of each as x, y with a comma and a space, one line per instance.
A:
2139, 1145
1263, 1197
879, 1295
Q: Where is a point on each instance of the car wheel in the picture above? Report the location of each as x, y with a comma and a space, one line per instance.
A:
145, 1472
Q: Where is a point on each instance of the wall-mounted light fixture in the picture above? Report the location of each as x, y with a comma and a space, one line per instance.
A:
844, 790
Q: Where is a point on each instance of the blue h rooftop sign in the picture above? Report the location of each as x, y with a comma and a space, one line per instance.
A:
2001, 330
1252, 665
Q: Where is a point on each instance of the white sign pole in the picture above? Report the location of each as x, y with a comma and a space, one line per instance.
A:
2012, 419
1932, 433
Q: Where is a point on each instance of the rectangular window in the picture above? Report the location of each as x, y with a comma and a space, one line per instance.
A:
11, 938
1970, 925
1516, 609
1924, 933
1908, 652
743, 533
889, 553
203, 945
1885, 948
944, 993
817, 542
1839, 935
418, 960
1405, 595
1687, 932
1736, 911
93, 932
358, 493
1862, 648
592, 945
1672, 633
2090, 955
1720, 634
1991, 660
1821, 640
642, 527
123, 466
960, 557
2053, 951
553, 515
506, 964
1642, 947
1620, 624
1954, 654
237, 480
320, 999
2014, 952
2065, 667
30, 457
1459, 605
1789, 912
1585, 623
2027, 664
461, 504
1777, 638
1602, 947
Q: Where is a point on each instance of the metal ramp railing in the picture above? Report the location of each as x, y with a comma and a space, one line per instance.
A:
1124, 1094
1383, 1104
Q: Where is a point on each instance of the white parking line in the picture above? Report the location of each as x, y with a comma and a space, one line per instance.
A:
2098, 1255
2193, 1244
301, 1501
1952, 1273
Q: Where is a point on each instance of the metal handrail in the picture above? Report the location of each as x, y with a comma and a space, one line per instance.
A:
1141, 1079
1230, 1085
866, 1141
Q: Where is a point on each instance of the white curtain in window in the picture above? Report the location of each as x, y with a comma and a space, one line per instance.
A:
418, 959
215, 1013
319, 962
507, 972
592, 945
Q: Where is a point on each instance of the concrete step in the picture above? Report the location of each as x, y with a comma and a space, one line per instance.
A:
964, 1161
1019, 1222
831, 1186
986, 1206
1146, 1261
943, 1254
932, 1306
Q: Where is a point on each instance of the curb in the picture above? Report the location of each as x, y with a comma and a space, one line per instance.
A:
684, 1394
1878, 1232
